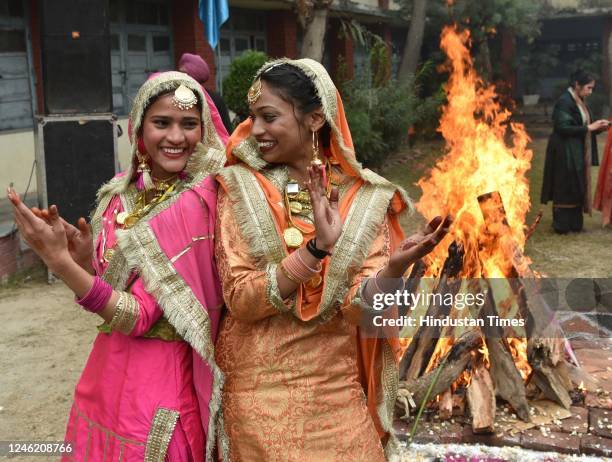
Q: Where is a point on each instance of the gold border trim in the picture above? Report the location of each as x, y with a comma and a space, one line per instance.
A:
249, 153
160, 434
366, 215
253, 215
273, 292
389, 385
258, 228
180, 306
126, 314
118, 271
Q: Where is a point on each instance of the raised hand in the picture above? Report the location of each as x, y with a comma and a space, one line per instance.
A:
48, 240
80, 239
417, 246
327, 221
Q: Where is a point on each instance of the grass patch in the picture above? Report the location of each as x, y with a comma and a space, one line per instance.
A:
586, 254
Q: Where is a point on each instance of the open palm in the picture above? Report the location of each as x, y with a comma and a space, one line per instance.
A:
327, 221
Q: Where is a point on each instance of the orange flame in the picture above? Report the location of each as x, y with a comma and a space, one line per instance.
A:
478, 161
518, 349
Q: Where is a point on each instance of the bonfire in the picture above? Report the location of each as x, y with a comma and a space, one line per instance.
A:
481, 181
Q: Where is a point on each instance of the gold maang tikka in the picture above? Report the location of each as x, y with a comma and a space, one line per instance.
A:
316, 160
184, 98
254, 92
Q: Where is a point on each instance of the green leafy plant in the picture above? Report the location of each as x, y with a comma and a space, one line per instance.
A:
379, 117
538, 62
238, 81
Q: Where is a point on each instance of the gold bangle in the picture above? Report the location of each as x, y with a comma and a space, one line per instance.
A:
288, 275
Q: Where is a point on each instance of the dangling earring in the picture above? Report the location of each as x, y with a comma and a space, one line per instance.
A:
143, 169
316, 161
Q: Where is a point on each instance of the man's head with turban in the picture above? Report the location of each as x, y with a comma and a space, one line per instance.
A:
194, 66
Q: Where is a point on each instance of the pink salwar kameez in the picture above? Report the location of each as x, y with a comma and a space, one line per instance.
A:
150, 390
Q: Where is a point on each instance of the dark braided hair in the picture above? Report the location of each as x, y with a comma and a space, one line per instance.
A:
293, 86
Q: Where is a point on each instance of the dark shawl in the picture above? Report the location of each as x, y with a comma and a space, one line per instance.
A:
564, 169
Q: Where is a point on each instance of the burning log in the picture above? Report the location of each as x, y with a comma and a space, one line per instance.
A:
445, 405
506, 377
534, 225
546, 344
416, 273
417, 356
544, 324
481, 400
454, 364
546, 376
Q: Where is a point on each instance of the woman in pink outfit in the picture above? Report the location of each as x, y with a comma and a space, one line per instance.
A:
150, 389
603, 192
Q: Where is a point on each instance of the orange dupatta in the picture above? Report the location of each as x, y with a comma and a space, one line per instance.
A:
342, 155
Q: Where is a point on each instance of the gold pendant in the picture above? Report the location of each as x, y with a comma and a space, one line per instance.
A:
130, 221
121, 216
295, 207
293, 237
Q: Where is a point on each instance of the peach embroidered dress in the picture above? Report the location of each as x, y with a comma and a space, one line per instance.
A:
302, 382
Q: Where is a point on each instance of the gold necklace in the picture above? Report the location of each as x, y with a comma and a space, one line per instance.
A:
295, 202
293, 235
129, 219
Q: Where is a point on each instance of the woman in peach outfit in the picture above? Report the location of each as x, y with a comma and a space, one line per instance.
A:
302, 229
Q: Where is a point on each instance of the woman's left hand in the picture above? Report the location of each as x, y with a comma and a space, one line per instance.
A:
80, 240
417, 246
48, 240
327, 221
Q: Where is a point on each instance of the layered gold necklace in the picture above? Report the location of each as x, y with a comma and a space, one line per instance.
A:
297, 202
163, 189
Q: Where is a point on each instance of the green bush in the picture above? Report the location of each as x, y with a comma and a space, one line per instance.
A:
379, 117
239, 80
428, 112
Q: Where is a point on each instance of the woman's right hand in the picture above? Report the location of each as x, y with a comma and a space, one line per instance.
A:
80, 240
48, 240
327, 221
600, 124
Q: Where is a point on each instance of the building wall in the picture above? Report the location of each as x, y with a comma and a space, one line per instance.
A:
16, 158
188, 33
17, 150
282, 36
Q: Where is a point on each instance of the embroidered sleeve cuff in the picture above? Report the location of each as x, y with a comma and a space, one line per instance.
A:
126, 314
360, 301
273, 293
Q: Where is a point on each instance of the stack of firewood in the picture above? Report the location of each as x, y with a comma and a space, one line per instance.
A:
485, 354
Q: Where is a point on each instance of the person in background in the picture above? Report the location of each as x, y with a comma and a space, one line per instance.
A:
603, 192
197, 68
571, 150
